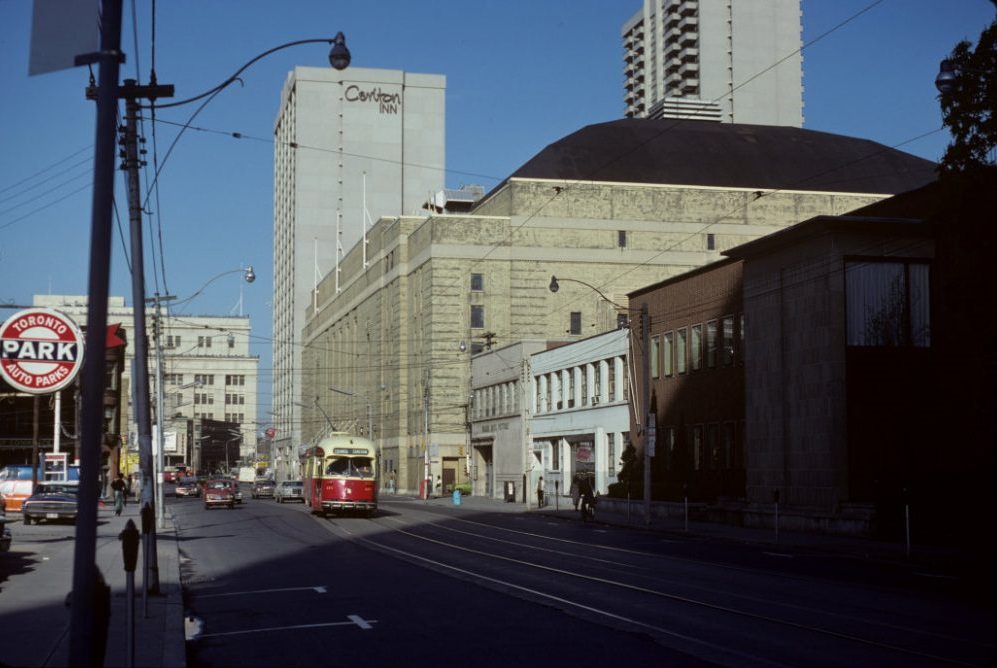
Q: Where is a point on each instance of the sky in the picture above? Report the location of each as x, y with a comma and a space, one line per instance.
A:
521, 74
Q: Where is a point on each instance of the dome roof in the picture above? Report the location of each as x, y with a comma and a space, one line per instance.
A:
702, 153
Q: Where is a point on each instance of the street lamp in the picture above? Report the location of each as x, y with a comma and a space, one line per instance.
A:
82, 629
948, 74
647, 420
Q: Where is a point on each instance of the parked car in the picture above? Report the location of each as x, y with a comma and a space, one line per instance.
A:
289, 490
218, 492
263, 488
5, 537
51, 501
187, 486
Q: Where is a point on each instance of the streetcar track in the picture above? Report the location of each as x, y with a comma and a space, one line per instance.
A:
651, 592
504, 585
745, 597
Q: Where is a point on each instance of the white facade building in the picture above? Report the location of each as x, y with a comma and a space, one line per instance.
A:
554, 413
350, 147
207, 372
734, 62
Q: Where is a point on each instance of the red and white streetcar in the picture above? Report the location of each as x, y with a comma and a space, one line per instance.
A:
340, 474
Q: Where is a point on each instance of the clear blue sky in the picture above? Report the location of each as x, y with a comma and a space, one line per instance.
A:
520, 75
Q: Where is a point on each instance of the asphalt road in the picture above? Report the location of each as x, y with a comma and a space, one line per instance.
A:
425, 584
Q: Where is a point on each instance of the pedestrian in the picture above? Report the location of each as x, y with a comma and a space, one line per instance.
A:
391, 482
118, 487
439, 485
575, 492
540, 492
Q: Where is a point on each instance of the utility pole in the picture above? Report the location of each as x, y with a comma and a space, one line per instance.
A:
157, 463
131, 93
645, 333
87, 630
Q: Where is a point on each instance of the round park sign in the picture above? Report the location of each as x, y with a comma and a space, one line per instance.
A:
41, 350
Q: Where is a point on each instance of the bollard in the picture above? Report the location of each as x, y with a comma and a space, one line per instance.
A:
775, 499
685, 496
129, 538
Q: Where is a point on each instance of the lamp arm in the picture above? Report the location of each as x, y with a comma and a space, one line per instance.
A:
235, 77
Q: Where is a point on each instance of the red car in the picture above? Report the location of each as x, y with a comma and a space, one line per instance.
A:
219, 492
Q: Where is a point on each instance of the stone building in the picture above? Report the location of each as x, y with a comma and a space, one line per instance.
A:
618, 206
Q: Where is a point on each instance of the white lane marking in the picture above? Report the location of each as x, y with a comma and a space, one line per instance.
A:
318, 589
782, 555
353, 622
360, 621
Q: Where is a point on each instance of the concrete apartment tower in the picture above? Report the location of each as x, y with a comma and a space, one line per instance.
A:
699, 59
350, 147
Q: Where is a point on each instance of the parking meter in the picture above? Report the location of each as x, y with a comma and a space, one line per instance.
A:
129, 545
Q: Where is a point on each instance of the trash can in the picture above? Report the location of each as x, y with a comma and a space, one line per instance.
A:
456, 497
510, 491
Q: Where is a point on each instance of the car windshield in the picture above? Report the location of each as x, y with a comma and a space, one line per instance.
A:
291, 484
220, 484
49, 488
359, 467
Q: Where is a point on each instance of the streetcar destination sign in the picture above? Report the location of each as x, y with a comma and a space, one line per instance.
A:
41, 350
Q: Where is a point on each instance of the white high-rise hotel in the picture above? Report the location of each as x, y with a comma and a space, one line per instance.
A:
350, 147
734, 62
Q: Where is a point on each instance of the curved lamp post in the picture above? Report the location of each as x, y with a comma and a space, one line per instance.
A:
554, 286
648, 422
107, 94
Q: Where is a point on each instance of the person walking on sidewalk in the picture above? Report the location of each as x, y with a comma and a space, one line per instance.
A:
118, 487
540, 492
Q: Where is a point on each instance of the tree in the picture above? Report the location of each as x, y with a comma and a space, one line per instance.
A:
968, 104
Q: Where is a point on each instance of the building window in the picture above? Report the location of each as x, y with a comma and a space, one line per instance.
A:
235, 379
727, 446
622, 321
621, 238
576, 323
668, 342
711, 344
696, 348
611, 453
713, 446
711, 241
887, 304
680, 351
477, 282
727, 340
668, 446
697, 447
204, 342
477, 317
204, 378
655, 354
172, 341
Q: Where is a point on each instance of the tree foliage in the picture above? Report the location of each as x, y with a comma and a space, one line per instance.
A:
968, 108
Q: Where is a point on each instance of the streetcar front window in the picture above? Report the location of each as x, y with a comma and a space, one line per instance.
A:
354, 467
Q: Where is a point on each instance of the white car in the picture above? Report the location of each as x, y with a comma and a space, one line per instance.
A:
289, 490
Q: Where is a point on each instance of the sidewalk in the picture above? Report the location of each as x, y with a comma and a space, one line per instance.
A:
33, 601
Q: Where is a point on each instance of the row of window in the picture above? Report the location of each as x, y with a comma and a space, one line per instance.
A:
715, 446
175, 341
696, 347
604, 380
204, 379
235, 417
